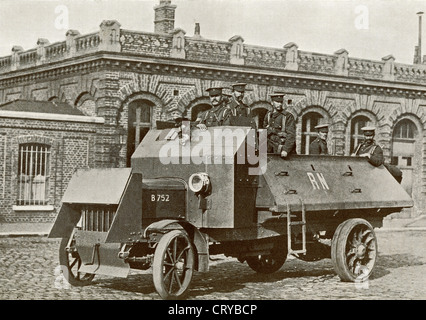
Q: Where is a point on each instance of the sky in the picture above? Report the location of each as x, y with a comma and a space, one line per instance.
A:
367, 29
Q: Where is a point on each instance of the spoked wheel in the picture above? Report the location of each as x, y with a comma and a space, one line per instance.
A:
70, 262
354, 250
271, 262
173, 265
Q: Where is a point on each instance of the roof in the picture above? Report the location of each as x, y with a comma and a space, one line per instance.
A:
41, 107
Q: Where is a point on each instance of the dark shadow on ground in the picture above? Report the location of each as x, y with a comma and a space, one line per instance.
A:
393, 261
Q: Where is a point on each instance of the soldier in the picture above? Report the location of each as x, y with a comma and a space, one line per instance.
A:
319, 145
369, 148
236, 112
281, 128
212, 117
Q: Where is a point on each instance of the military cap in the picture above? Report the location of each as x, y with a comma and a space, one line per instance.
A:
278, 97
322, 127
368, 130
214, 91
240, 87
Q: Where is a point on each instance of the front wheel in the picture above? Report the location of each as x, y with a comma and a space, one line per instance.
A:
70, 262
173, 265
354, 250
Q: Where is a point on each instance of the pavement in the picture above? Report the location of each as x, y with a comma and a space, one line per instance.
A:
43, 229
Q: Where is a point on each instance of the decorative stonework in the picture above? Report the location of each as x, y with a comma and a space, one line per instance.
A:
209, 51
149, 44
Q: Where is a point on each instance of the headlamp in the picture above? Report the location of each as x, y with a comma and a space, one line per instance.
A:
199, 182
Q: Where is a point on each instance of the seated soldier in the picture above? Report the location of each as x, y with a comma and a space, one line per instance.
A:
212, 117
281, 128
319, 145
237, 113
369, 148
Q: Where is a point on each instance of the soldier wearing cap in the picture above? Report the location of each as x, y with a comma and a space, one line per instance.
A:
281, 127
369, 148
235, 106
212, 117
319, 145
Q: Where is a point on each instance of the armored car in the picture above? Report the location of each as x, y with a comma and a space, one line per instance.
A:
185, 199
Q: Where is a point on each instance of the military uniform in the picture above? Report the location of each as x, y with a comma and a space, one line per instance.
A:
318, 146
373, 149
235, 109
370, 147
212, 117
281, 128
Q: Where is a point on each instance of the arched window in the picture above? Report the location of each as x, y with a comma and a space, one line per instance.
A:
258, 115
139, 123
403, 150
309, 121
357, 135
196, 110
33, 173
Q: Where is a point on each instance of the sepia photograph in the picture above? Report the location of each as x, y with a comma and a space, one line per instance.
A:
222, 155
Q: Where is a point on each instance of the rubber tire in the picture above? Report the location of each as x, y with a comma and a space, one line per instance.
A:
339, 245
158, 265
65, 266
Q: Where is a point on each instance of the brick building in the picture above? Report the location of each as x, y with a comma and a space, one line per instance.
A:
121, 82
42, 143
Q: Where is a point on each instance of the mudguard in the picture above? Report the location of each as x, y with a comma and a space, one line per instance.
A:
89, 186
196, 237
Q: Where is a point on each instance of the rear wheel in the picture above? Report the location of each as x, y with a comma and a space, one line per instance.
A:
70, 262
173, 265
354, 250
269, 263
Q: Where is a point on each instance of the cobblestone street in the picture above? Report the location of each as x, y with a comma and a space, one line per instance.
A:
28, 270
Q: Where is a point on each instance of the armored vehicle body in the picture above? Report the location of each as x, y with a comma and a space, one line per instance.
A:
183, 201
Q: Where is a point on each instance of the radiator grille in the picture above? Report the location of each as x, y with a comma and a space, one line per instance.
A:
97, 218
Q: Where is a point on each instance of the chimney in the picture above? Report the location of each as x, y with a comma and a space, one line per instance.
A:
164, 21
418, 48
197, 30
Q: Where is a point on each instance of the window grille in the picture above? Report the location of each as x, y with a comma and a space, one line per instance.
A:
33, 174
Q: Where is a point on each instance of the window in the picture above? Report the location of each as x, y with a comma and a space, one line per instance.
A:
309, 134
196, 111
139, 123
356, 133
259, 115
405, 130
33, 174
403, 143
404, 151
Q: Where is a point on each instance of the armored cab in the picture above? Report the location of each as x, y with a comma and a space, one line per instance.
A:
218, 192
